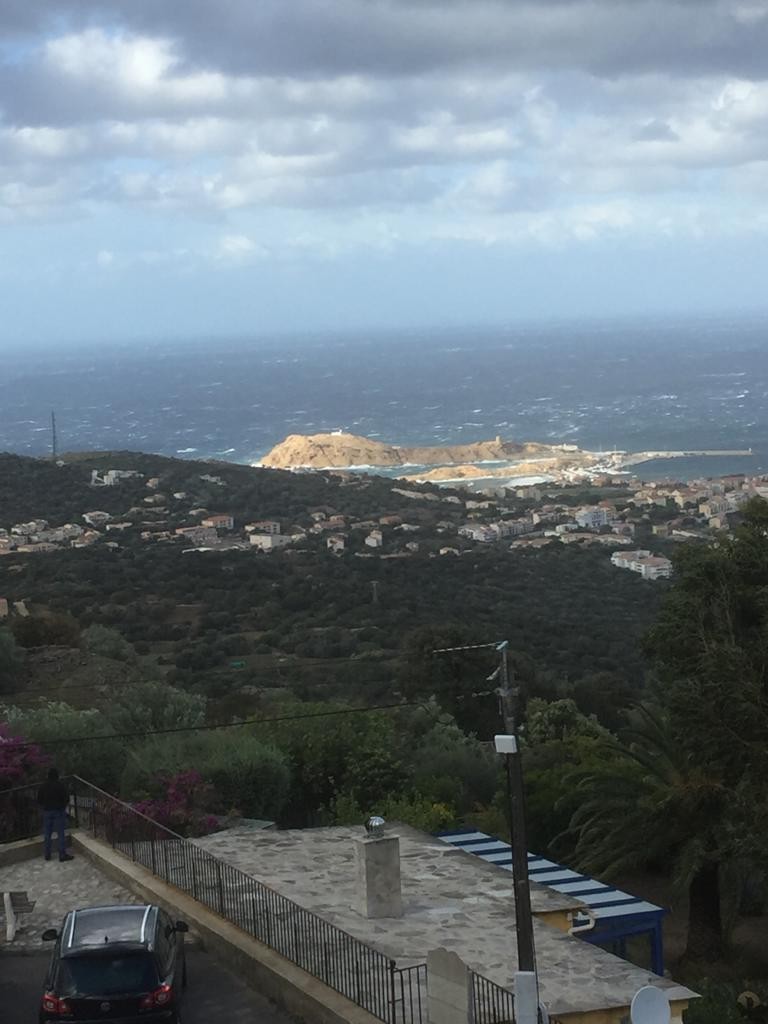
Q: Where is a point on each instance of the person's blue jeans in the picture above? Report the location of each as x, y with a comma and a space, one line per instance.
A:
54, 821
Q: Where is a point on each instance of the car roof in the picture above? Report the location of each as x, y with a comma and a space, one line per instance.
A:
100, 927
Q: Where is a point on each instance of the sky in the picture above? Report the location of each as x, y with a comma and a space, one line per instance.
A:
211, 167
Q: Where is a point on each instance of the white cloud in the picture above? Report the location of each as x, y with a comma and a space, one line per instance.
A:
441, 128
238, 249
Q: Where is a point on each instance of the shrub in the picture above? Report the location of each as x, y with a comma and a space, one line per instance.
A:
182, 806
245, 774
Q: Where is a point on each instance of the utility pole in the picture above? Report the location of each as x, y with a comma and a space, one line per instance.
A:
54, 443
509, 704
374, 591
527, 1009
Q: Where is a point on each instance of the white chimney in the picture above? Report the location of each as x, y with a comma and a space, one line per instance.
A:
378, 892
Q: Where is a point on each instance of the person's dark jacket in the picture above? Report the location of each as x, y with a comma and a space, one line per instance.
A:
53, 795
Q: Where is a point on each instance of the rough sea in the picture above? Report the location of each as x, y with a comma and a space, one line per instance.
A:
640, 385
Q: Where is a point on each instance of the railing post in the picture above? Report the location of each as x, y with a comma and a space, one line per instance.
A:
194, 877
220, 887
392, 1003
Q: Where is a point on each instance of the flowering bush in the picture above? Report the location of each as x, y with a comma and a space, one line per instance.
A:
181, 807
20, 761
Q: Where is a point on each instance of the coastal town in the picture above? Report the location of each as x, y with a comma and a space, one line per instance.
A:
635, 521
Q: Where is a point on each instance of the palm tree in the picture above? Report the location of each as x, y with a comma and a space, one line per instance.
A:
646, 801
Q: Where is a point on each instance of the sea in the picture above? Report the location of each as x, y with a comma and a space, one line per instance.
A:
636, 385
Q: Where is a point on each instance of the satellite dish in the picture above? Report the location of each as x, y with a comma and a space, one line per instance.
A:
749, 1000
650, 1006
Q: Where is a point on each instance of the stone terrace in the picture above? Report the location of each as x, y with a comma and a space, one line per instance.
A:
55, 888
450, 899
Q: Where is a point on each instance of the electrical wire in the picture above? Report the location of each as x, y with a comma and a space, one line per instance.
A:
212, 727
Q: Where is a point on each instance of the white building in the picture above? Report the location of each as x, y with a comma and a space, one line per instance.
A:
623, 559
593, 517
478, 532
263, 526
653, 568
112, 477
650, 567
29, 529
97, 518
336, 544
375, 539
269, 541
221, 521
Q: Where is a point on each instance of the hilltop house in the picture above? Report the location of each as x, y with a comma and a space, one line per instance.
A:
263, 526
221, 521
270, 541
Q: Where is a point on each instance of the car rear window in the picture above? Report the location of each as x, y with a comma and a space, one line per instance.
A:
107, 974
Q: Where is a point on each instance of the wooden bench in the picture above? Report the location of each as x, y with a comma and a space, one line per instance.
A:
15, 904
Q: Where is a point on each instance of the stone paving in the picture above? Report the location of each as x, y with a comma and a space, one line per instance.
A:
55, 888
451, 899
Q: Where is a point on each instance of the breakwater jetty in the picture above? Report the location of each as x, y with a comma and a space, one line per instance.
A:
635, 458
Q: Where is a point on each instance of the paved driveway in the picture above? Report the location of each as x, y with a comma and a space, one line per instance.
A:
214, 993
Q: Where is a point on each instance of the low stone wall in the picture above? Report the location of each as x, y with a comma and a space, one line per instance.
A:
23, 849
287, 985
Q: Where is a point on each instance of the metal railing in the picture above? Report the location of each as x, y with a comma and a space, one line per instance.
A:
410, 993
356, 970
19, 813
491, 1004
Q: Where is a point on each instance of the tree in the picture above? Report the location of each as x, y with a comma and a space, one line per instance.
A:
52, 629
361, 755
458, 679
242, 772
687, 784
150, 706
71, 738
558, 720
10, 660
649, 801
107, 643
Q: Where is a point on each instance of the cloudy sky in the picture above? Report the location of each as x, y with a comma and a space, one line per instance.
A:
218, 166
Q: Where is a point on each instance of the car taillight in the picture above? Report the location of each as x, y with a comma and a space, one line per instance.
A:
52, 1004
160, 997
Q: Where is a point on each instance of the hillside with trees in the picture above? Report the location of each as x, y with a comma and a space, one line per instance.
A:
211, 686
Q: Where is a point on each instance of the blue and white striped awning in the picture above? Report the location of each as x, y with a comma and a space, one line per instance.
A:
603, 900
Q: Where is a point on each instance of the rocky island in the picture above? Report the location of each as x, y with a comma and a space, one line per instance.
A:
476, 459
339, 450
460, 462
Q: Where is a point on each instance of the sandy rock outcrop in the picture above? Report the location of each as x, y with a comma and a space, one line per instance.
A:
341, 450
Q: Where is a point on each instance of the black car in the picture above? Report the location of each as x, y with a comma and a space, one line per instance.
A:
123, 964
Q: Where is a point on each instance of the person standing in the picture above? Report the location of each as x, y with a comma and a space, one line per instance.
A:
53, 797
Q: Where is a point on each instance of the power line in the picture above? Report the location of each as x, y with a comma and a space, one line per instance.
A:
213, 727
